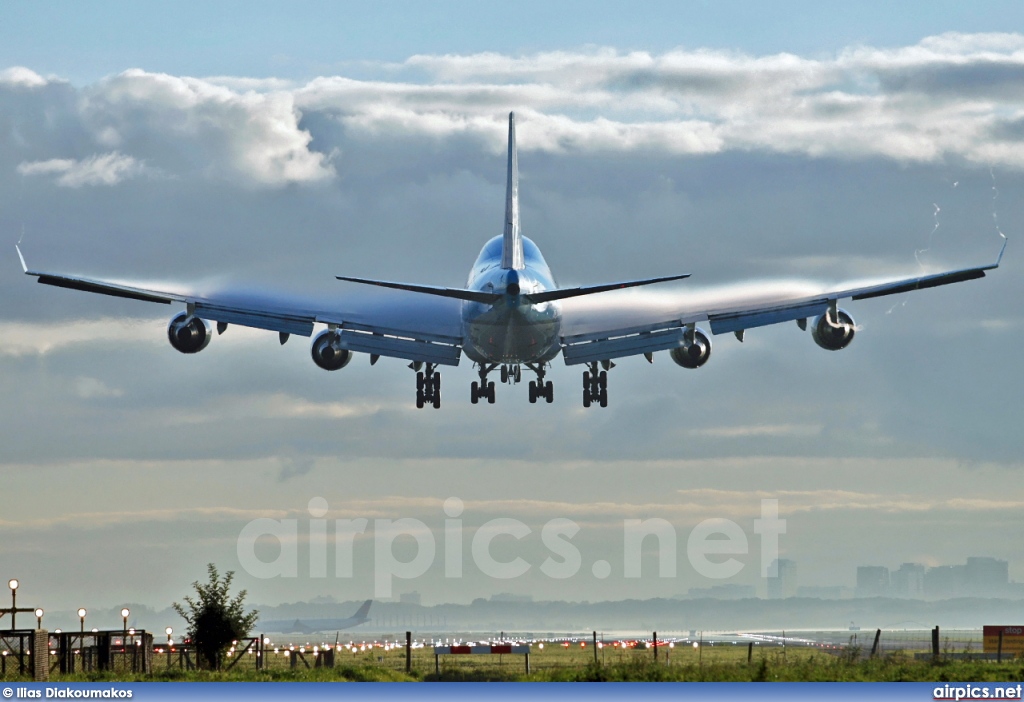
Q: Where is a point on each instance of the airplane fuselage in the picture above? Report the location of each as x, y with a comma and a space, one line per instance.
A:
510, 331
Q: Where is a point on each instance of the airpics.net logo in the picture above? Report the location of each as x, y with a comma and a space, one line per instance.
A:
711, 546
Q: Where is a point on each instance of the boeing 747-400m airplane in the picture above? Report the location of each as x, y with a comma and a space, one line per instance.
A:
511, 316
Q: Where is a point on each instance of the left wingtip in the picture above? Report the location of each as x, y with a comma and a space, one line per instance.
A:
999, 259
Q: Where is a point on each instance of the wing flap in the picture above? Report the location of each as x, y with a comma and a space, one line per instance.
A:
629, 331
723, 323
273, 321
396, 347
421, 346
630, 341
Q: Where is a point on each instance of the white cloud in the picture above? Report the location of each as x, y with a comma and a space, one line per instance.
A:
92, 388
99, 169
21, 76
760, 431
20, 339
191, 124
942, 98
950, 96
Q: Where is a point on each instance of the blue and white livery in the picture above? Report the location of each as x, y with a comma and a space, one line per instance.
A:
510, 317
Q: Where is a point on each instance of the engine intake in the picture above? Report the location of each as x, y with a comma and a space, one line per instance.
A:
188, 333
695, 351
832, 335
327, 352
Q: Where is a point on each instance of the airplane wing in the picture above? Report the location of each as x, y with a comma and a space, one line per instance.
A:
643, 323
399, 324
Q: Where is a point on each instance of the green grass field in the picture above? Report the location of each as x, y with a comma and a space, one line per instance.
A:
557, 663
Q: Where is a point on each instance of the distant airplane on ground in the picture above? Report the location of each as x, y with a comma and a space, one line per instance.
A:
512, 316
313, 626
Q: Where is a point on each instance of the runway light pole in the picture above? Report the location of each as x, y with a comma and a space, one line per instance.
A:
124, 618
81, 619
39, 618
13, 584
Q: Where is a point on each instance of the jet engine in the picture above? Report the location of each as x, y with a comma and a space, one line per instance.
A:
830, 335
327, 352
695, 351
188, 333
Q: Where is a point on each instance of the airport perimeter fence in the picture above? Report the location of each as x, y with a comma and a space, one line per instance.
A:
137, 654
39, 654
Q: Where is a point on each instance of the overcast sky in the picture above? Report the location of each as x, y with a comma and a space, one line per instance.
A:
277, 148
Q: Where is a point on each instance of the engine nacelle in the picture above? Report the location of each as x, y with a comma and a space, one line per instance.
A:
695, 351
188, 334
327, 352
830, 335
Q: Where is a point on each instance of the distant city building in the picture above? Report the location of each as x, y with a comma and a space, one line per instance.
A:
908, 581
872, 581
986, 577
980, 576
726, 591
410, 598
509, 597
782, 581
943, 582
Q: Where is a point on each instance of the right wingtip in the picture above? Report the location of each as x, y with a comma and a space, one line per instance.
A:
999, 259
24, 266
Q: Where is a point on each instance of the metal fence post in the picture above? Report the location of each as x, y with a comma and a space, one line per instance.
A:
408, 652
41, 656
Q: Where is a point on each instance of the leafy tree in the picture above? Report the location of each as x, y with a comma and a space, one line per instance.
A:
214, 619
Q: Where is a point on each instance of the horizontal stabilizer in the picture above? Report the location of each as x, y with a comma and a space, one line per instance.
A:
563, 293
457, 293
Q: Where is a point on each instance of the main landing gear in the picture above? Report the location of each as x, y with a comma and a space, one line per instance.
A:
595, 384
428, 385
485, 389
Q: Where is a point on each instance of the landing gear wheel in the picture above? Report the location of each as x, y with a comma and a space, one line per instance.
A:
549, 391
474, 392
419, 399
437, 390
518, 374
604, 397
490, 392
504, 374
533, 392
